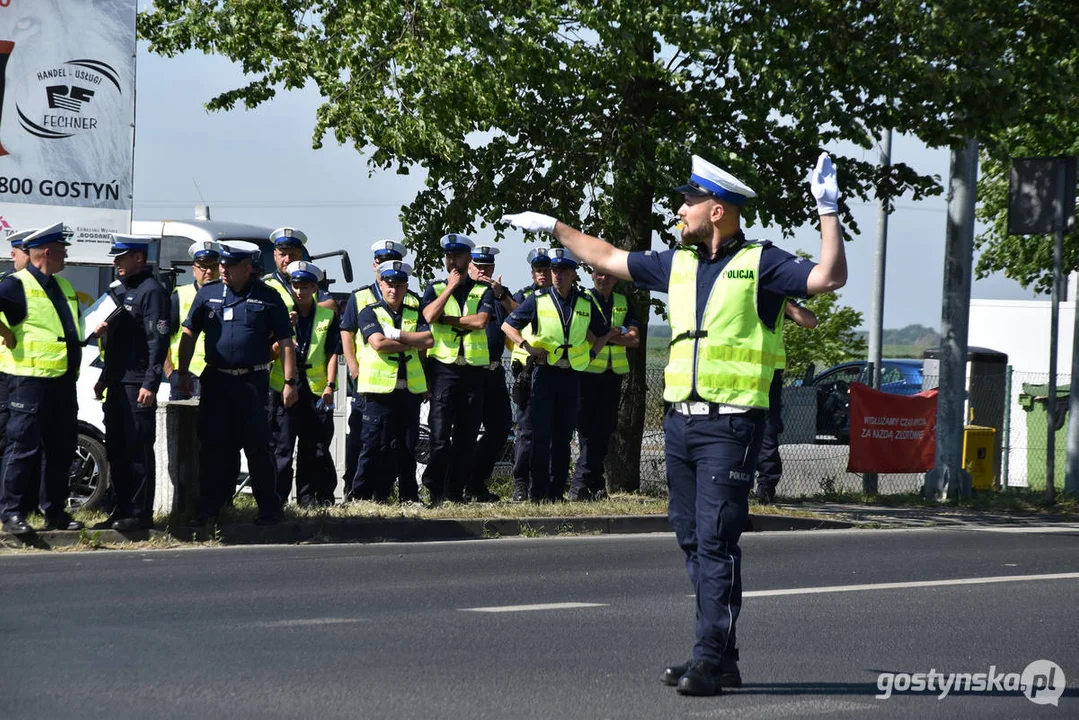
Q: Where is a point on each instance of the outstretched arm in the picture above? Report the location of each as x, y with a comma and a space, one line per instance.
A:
600, 254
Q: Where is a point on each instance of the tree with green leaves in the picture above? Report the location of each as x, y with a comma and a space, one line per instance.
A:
834, 340
591, 110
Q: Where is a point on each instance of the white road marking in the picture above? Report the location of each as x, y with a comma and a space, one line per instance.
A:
530, 608
303, 622
913, 584
1031, 530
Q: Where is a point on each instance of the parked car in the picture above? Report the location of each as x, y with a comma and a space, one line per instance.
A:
901, 377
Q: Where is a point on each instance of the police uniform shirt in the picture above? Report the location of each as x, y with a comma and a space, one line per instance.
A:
606, 307
782, 275
496, 339
526, 311
305, 327
239, 327
519, 296
369, 324
350, 319
13, 305
138, 338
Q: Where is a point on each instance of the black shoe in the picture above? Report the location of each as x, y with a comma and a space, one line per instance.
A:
579, 495
729, 676
62, 522
129, 524
701, 679
673, 673
17, 525
765, 494
105, 524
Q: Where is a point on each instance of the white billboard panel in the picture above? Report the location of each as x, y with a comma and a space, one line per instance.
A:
67, 111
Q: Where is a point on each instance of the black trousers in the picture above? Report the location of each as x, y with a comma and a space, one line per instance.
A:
596, 421
522, 447
316, 476
769, 463
42, 428
497, 422
555, 394
234, 415
391, 428
129, 448
353, 442
454, 419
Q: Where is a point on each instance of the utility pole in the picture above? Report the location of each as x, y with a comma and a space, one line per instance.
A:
876, 315
948, 479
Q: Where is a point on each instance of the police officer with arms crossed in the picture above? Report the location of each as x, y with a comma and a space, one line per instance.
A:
20, 258
383, 251
601, 388
310, 419
725, 294
564, 328
540, 265
136, 342
241, 318
288, 248
205, 268
44, 333
458, 310
393, 384
497, 417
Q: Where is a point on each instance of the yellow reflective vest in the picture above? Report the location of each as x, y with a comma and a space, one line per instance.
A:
612, 357
450, 341
526, 332
316, 361
730, 358
40, 344
378, 371
551, 336
186, 296
286, 294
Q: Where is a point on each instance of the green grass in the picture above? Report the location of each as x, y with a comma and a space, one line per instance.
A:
1011, 500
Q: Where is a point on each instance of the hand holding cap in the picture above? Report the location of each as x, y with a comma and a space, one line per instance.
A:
531, 222
825, 186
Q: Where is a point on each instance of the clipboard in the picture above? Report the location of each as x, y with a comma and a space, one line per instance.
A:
104, 309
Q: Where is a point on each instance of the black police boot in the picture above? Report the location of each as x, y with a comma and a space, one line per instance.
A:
62, 521
673, 673
17, 525
701, 679
729, 676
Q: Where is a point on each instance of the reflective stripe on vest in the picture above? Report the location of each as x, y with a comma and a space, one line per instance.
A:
378, 371
40, 346
315, 364
527, 335
551, 337
186, 296
612, 357
286, 295
448, 341
730, 358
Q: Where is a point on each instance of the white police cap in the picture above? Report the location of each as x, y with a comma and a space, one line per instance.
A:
394, 270
123, 244
484, 254
561, 257
55, 233
707, 179
16, 238
240, 250
288, 237
303, 271
385, 249
539, 256
455, 242
203, 248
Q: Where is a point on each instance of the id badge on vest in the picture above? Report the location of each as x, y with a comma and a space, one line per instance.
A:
226, 314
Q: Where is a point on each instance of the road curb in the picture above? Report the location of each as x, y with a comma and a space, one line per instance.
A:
346, 530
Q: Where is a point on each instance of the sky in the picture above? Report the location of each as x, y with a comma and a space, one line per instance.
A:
258, 166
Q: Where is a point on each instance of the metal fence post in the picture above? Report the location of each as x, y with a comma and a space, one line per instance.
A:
1006, 441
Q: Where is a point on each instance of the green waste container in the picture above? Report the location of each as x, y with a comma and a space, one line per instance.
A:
1034, 400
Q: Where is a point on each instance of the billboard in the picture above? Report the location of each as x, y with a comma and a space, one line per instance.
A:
67, 113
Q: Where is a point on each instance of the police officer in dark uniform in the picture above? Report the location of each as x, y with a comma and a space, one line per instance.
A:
601, 388
563, 342
351, 340
458, 310
497, 416
136, 341
725, 294
540, 265
44, 333
242, 318
20, 259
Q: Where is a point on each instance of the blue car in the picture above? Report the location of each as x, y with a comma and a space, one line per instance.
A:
901, 377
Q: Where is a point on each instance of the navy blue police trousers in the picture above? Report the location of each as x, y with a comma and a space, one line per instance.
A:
770, 464
596, 421
316, 476
391, 429
129, 446
454, 419
555, 392
710, 464
497, 422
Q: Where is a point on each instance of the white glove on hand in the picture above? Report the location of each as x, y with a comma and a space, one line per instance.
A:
531, 222
825, 187
392, 333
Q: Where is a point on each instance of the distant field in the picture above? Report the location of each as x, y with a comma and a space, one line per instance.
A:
902, 351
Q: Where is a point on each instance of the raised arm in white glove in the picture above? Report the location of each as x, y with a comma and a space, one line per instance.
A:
391, 333
825, 187
531, 222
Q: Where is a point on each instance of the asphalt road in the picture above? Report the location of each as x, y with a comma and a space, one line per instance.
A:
392, 631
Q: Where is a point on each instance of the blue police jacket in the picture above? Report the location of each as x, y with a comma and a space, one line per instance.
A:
240, 326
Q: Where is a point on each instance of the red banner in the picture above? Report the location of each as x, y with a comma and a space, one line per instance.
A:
891, 433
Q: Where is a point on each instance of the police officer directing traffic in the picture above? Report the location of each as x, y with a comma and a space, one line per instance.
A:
564, 331
136, 341
310, 419
601, 388
382, 251
724, 297
241, 318
44, 333
205, 268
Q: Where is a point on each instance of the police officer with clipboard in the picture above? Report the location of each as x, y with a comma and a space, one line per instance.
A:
725, 294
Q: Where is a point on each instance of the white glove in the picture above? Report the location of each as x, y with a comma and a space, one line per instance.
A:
825, 187
531, 222
392, 333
